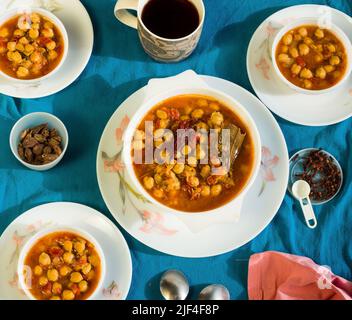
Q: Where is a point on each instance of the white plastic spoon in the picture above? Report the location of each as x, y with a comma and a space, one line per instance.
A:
301, 191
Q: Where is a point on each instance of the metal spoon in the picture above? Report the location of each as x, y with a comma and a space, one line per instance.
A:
174, 285
214, 292
301, 191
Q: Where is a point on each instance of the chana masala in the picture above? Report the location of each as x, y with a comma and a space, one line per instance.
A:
31, 46
64, 266
190, 185
311, 58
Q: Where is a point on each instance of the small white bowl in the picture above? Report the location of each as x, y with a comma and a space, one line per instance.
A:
56, 21
228, 101
22, 268
313, 21
31, 120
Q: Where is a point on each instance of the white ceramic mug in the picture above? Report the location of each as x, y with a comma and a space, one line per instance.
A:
159, 48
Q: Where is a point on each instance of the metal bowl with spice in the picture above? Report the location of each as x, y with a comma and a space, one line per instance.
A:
39, 140
320, 170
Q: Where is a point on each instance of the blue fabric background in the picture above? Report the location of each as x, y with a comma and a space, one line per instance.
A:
119, 67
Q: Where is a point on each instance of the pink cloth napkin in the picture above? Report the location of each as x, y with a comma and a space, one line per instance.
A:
280, 276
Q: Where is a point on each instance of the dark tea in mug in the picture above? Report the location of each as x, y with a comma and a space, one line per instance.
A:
171, 19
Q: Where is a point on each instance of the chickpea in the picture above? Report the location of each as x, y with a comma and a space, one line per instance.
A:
202, 125
138, 145
318, 57
158, 178
294, 52
23, 40
297, 37
203, 103
38, 270
44, 259
334, 60
303, 31
216, 190
43, 281
184, 117
11, 46
52, 275
284, 49
86, 268
83, 286
35, 18
52, 54
4, 32
287, 39
148, 183
189, 171
186, 150
306, 74
35, 26
331, 47
139, 135
18, 33
94, 260
307, 84
178, 168
214, 106
79, 247
197, 113
158, 193
319, 33
320, 73
48, 33
48, 25
28, 48
65, 270
217, 118
36, 57
3, 49
205, 171
76, 277
68, 257
303, 49
57, 288
55, 298
22, 72
192, 161
308, 41
193, 181
329, 68
284, 58
161, 114
68, 295
20, 47
90, 275
16, 57
163, 123
33, 33
205, 191
296, 69
68, 245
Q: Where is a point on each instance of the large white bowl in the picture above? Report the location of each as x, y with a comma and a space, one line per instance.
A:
332, 28
7, 15
218, 95
21, 267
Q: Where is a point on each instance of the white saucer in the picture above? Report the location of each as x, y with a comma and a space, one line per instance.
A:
81, 37
118, 260
311, 110
170, 235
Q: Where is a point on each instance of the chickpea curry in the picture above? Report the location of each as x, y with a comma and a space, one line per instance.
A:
311, 58
189, 184
31, 46
64, 266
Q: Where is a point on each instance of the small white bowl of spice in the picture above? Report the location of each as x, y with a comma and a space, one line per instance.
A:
39, 140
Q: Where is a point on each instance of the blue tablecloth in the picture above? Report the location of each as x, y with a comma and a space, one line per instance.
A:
119, 67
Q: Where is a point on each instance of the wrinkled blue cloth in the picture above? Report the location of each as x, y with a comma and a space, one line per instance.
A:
119, 67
